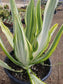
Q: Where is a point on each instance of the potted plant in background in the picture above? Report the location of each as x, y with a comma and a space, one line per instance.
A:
29, 44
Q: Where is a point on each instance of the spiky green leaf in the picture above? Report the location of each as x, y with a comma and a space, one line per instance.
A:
30, 22
30, 50
52, 47
20, 43
38, 17
48, 15
7, 33
5, 65
34, 79
8, 55
52, 30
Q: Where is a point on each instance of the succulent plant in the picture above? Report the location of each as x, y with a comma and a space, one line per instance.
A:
30, 43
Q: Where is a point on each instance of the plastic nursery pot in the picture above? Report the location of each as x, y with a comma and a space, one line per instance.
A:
13, 80
55, 11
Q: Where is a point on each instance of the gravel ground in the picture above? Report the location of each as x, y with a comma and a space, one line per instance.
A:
56, 76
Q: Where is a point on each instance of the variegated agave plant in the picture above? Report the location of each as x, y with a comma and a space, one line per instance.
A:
30, 43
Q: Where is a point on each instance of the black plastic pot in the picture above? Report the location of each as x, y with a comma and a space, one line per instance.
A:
55, 11
16, 81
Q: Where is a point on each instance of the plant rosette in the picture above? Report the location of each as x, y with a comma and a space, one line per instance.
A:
30, 43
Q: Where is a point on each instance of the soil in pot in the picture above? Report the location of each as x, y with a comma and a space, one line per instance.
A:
40, 70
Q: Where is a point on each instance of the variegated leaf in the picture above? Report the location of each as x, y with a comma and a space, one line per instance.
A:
20, 43
5, 65
7, 33
48, 15
8, 55
52, 47
38, 17
30, 22
34, 79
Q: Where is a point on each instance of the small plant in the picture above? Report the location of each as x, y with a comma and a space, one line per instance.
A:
1, 7
30, 43
4, 13
6, 6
